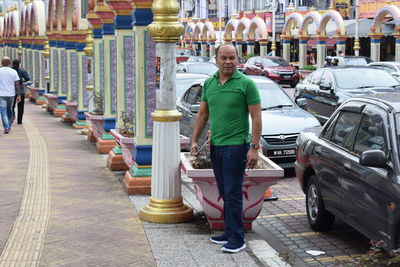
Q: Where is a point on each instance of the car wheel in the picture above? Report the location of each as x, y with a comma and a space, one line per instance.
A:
318, 217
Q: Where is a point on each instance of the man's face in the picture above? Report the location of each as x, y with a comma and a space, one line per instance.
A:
226, 60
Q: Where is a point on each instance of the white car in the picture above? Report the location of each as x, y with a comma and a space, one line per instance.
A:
392, 67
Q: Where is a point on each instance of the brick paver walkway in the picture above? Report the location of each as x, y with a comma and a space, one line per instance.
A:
59, 204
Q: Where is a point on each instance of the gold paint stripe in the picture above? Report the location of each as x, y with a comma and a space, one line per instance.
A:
304, 234
283, 215
25, 243
333, 258
279, 186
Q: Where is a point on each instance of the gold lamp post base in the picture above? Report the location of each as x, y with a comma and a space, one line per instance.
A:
166, 211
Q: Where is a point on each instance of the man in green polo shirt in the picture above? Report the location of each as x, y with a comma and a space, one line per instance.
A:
228, 98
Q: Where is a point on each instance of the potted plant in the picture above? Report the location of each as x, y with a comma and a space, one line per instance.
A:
306, 70
72, 106
255, 183
96, 116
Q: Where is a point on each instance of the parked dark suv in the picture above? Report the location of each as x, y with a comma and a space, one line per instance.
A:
350, 168
275, 68
325, 89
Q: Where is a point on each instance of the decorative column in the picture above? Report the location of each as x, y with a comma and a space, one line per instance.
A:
375, 46
106, 141
397, 53
340, 44
124, 76
138, 178
302, 51
250, 46
239, 47
203, 47
263, 47
321, 51
286, 47
212, 48
166, 205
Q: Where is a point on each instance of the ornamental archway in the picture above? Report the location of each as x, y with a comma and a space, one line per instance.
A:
257, 32
241, 32
208, 37
293, 21
376, 31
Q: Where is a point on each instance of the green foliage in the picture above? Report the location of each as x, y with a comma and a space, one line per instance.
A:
247, 56
309, 67
287, 257
98, 102
377, 256
128, 124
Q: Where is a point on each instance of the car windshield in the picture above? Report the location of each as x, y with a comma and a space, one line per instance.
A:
274, 62
356, 60
273, 96
183, 84
202, 68
363, 78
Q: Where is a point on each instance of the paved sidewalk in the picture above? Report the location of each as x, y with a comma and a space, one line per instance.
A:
61, 206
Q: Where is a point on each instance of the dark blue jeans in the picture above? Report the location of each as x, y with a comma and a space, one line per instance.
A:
229, 163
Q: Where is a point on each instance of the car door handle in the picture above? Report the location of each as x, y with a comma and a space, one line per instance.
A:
317, 151
347, 166
190, 115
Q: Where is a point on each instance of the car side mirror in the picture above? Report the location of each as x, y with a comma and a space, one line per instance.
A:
301, 102
373, 158
194, 108
395, 74
325, 86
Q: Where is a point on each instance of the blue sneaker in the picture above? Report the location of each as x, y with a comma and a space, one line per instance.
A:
231, 247
219, 239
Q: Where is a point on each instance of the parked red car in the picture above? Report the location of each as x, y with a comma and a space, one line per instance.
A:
275, 68
183, 54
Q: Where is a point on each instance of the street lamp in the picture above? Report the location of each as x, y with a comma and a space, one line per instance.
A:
356, 40
273, 9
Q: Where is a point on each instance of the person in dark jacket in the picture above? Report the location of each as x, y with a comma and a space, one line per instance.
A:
23, 77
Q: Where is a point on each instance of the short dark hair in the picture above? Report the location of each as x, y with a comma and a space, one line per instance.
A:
226, 44
15, 63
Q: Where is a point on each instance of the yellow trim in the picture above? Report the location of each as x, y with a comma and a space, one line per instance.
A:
283, 215
166, 115
166, 211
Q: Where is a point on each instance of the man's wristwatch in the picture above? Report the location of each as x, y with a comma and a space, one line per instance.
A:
254, 146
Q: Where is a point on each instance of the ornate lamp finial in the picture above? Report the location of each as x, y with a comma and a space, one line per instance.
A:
89, 43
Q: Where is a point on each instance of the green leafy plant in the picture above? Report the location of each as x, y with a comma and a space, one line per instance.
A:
127, 122
98, 103
73, 98
247, 56
309, 67
287, 257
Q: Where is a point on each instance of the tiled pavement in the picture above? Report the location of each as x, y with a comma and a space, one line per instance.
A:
89, 220
284, 225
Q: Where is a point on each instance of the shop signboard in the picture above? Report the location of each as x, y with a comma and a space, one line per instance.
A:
343, 7
279, 21
369, 8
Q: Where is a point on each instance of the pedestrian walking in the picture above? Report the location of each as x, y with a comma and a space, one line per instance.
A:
23, 78
228, 98
9, 89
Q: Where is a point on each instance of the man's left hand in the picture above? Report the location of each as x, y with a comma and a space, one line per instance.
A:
252, 158
18, 99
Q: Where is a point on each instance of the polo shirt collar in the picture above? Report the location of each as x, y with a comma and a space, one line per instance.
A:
235, 75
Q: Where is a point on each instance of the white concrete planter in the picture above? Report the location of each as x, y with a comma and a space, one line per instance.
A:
255, 183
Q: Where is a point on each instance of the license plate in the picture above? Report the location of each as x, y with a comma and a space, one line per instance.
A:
281, 152
287, 76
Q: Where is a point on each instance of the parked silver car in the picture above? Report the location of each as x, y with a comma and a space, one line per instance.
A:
282, 119
391, 67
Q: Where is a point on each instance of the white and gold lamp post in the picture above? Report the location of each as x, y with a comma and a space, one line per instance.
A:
46, 55
166, 205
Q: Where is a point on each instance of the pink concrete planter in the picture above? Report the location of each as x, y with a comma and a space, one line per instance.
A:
127, 146
97, 122
34, 93
51, 101
255, 183
72, 109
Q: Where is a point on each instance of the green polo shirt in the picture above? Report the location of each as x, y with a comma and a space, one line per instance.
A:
228, 108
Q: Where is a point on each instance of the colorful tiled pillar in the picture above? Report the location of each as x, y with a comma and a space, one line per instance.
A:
212, 48
263, 47
203, 51
166, 203
376, 46
397, 48
124, 76
250, 46
81, 79
286, 47
106, 141
239, 47
138, 178
302, 51
340, 44
321, 51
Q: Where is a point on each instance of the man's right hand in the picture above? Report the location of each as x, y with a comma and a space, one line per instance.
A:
193, 149
18, 99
